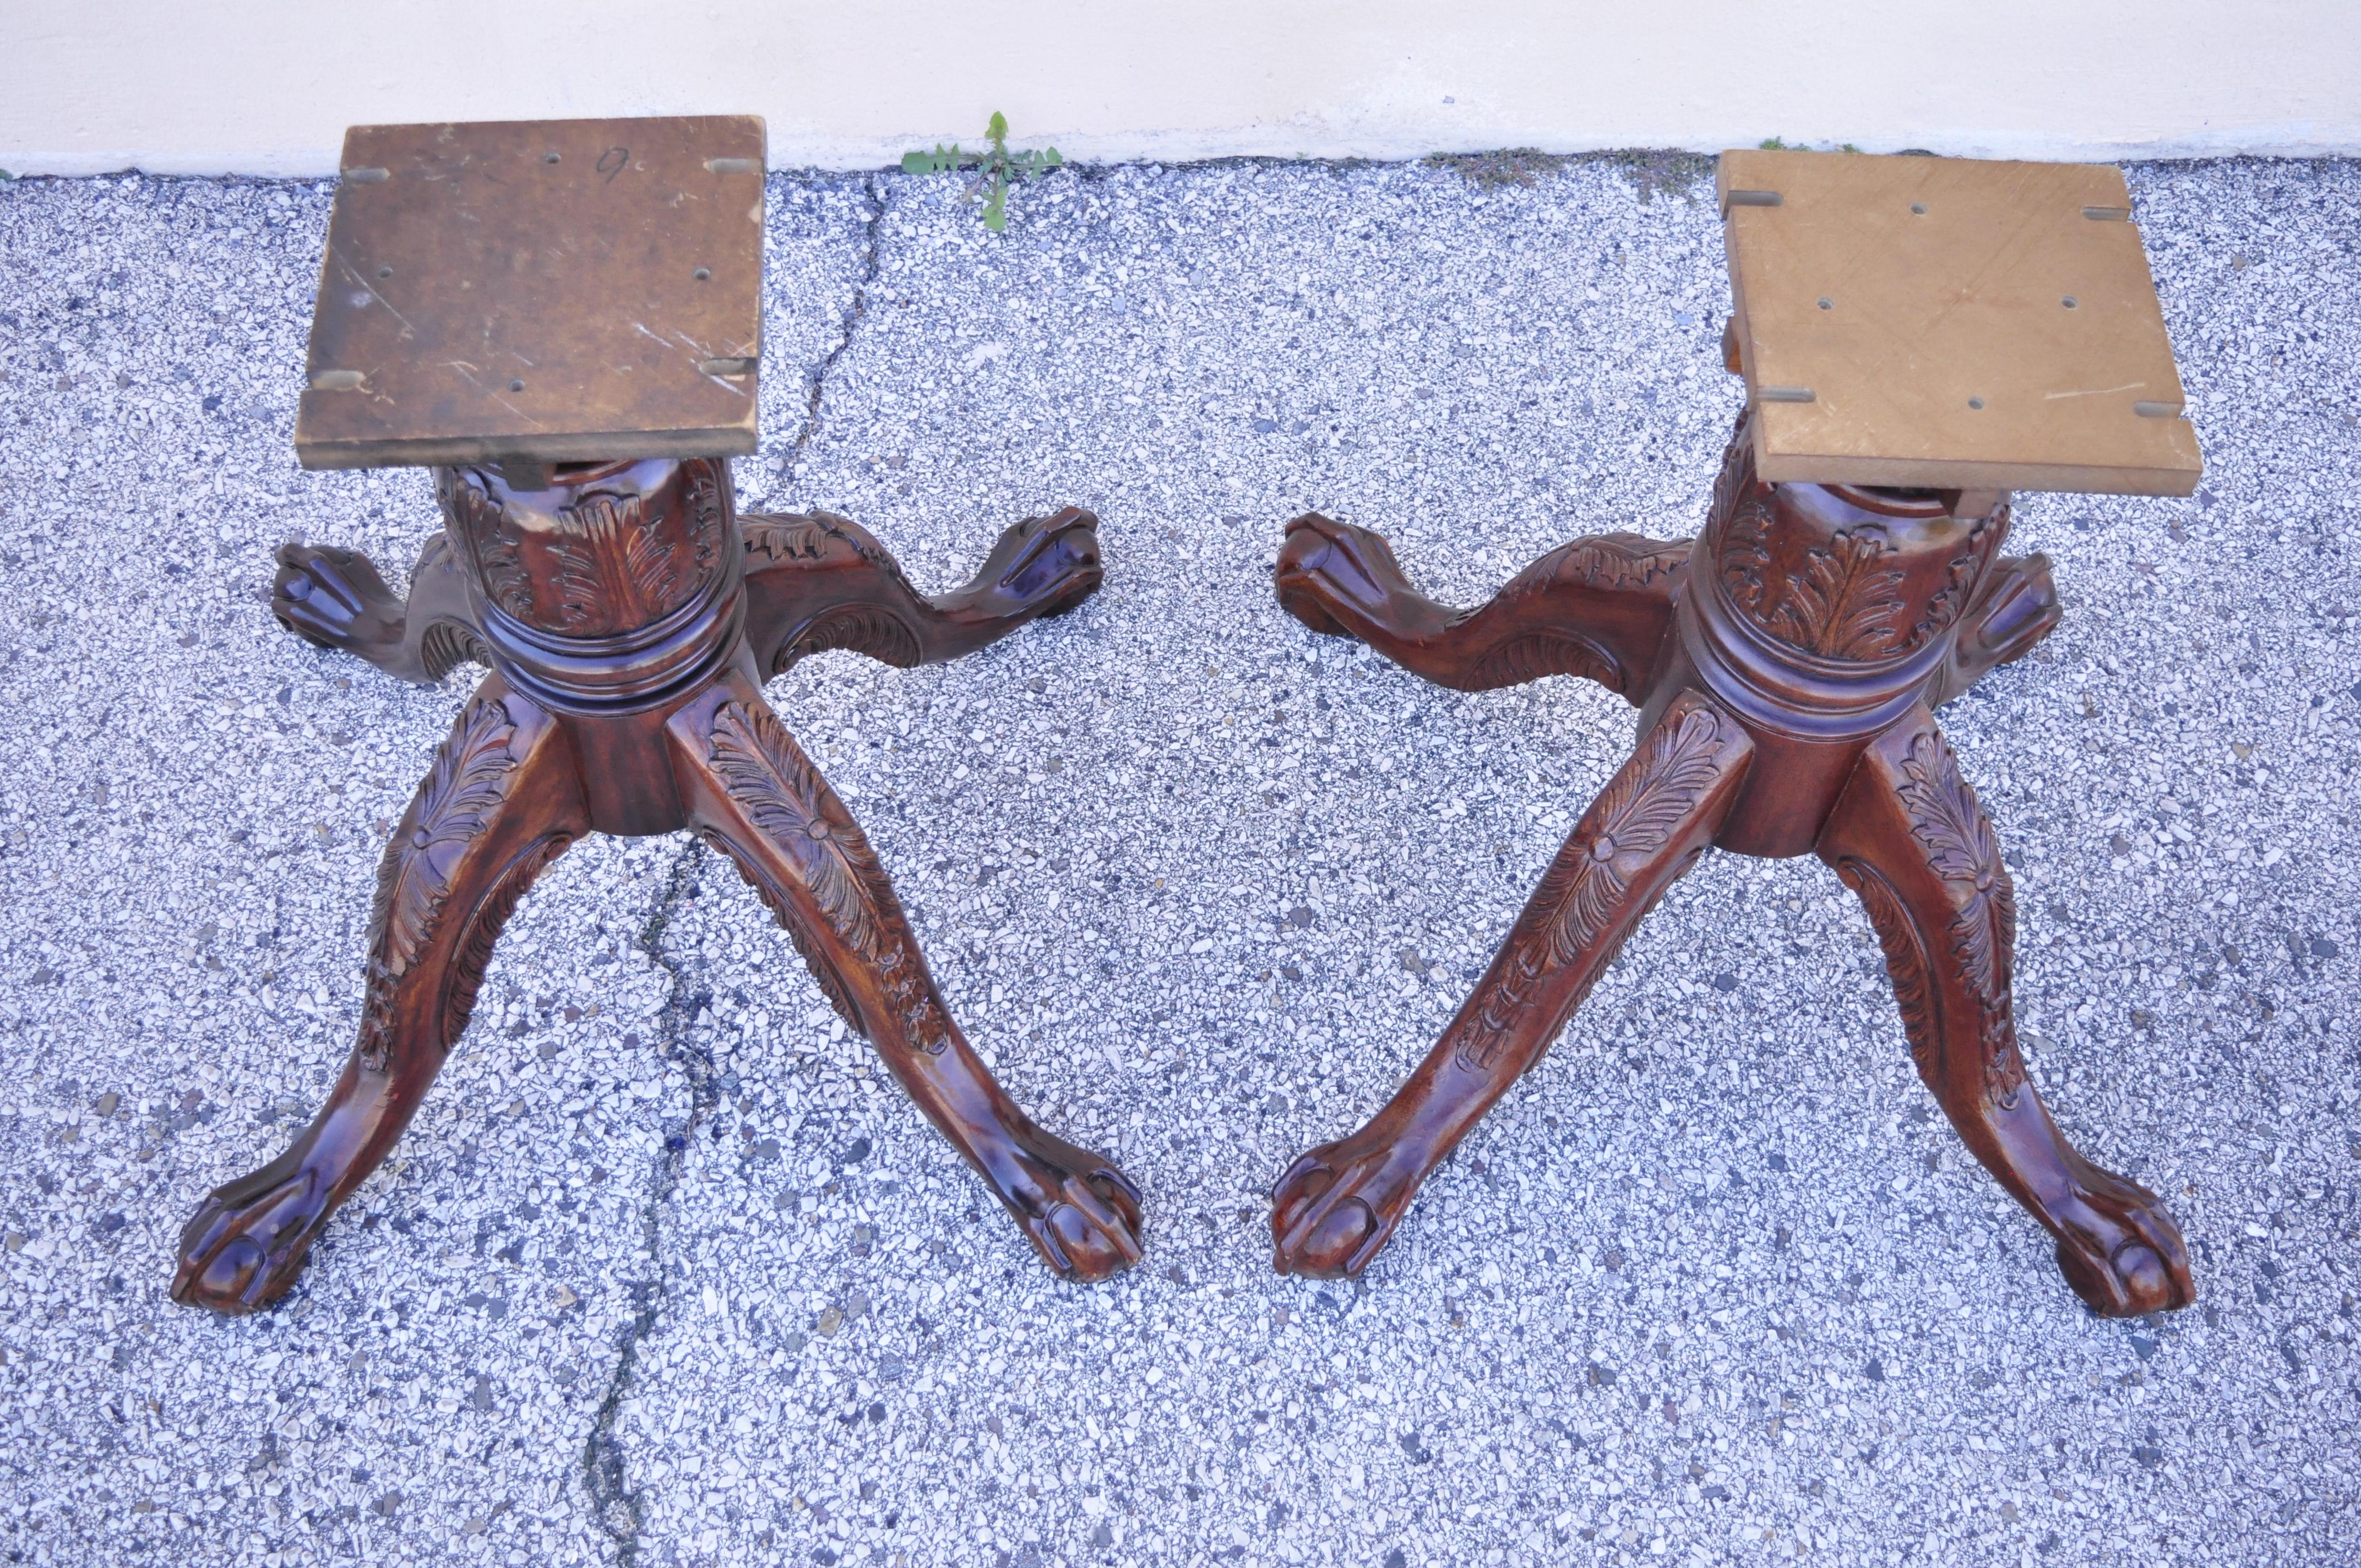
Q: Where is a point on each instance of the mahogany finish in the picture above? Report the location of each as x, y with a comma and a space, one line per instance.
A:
629, 615
1786, 665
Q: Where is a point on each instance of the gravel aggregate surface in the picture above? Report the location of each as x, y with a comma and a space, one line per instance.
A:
668, 1272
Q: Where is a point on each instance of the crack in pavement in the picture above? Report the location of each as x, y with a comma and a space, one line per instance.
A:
854, 313
615, 1506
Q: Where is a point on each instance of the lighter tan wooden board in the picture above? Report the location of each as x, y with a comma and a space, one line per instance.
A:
1946, 282
554, 290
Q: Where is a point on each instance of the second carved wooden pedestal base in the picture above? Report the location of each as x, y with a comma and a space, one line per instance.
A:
631, 616
1787, 666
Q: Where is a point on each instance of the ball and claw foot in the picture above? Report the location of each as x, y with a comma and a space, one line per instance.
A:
248, 1242
1338, 1206
1325, 565
336, 598
1041, 567
2120, 1252
1080, 1213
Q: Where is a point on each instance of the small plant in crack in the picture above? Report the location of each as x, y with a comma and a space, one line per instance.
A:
992, 167
1664, 172
1510, 166
1776, 144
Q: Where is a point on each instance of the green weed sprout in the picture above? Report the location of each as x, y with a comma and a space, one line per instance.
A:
992, 167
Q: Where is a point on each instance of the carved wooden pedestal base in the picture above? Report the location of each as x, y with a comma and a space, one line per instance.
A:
630, 617
1787, 666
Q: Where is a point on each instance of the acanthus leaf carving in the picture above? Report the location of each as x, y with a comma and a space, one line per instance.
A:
464, 788
1841, 600
484, 525
1605, 563
774, 899
1846, 598
603, 567
444, 645
611, 570
1949, 824
811, 536
1587, 886
769, 779
710, 500
1961, 578
783, 537
1615, 563
1848, 604
868, 628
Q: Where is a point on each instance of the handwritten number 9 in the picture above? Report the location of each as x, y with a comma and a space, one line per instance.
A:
613, 162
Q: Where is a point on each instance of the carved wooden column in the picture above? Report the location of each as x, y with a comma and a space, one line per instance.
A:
628, 625
609, 598
1787, 664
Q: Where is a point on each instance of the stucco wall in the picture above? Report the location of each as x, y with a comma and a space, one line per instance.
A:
267, 86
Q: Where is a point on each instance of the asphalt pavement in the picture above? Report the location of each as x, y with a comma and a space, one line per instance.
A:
668, 1272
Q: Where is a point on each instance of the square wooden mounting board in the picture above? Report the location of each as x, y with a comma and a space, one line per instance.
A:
543, 292
1950, 323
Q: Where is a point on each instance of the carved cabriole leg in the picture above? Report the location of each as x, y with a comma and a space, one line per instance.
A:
816, 582
335, 598
1336, 1206
757, 798
1819, 620
1908, 836
501, 803
1597, 606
